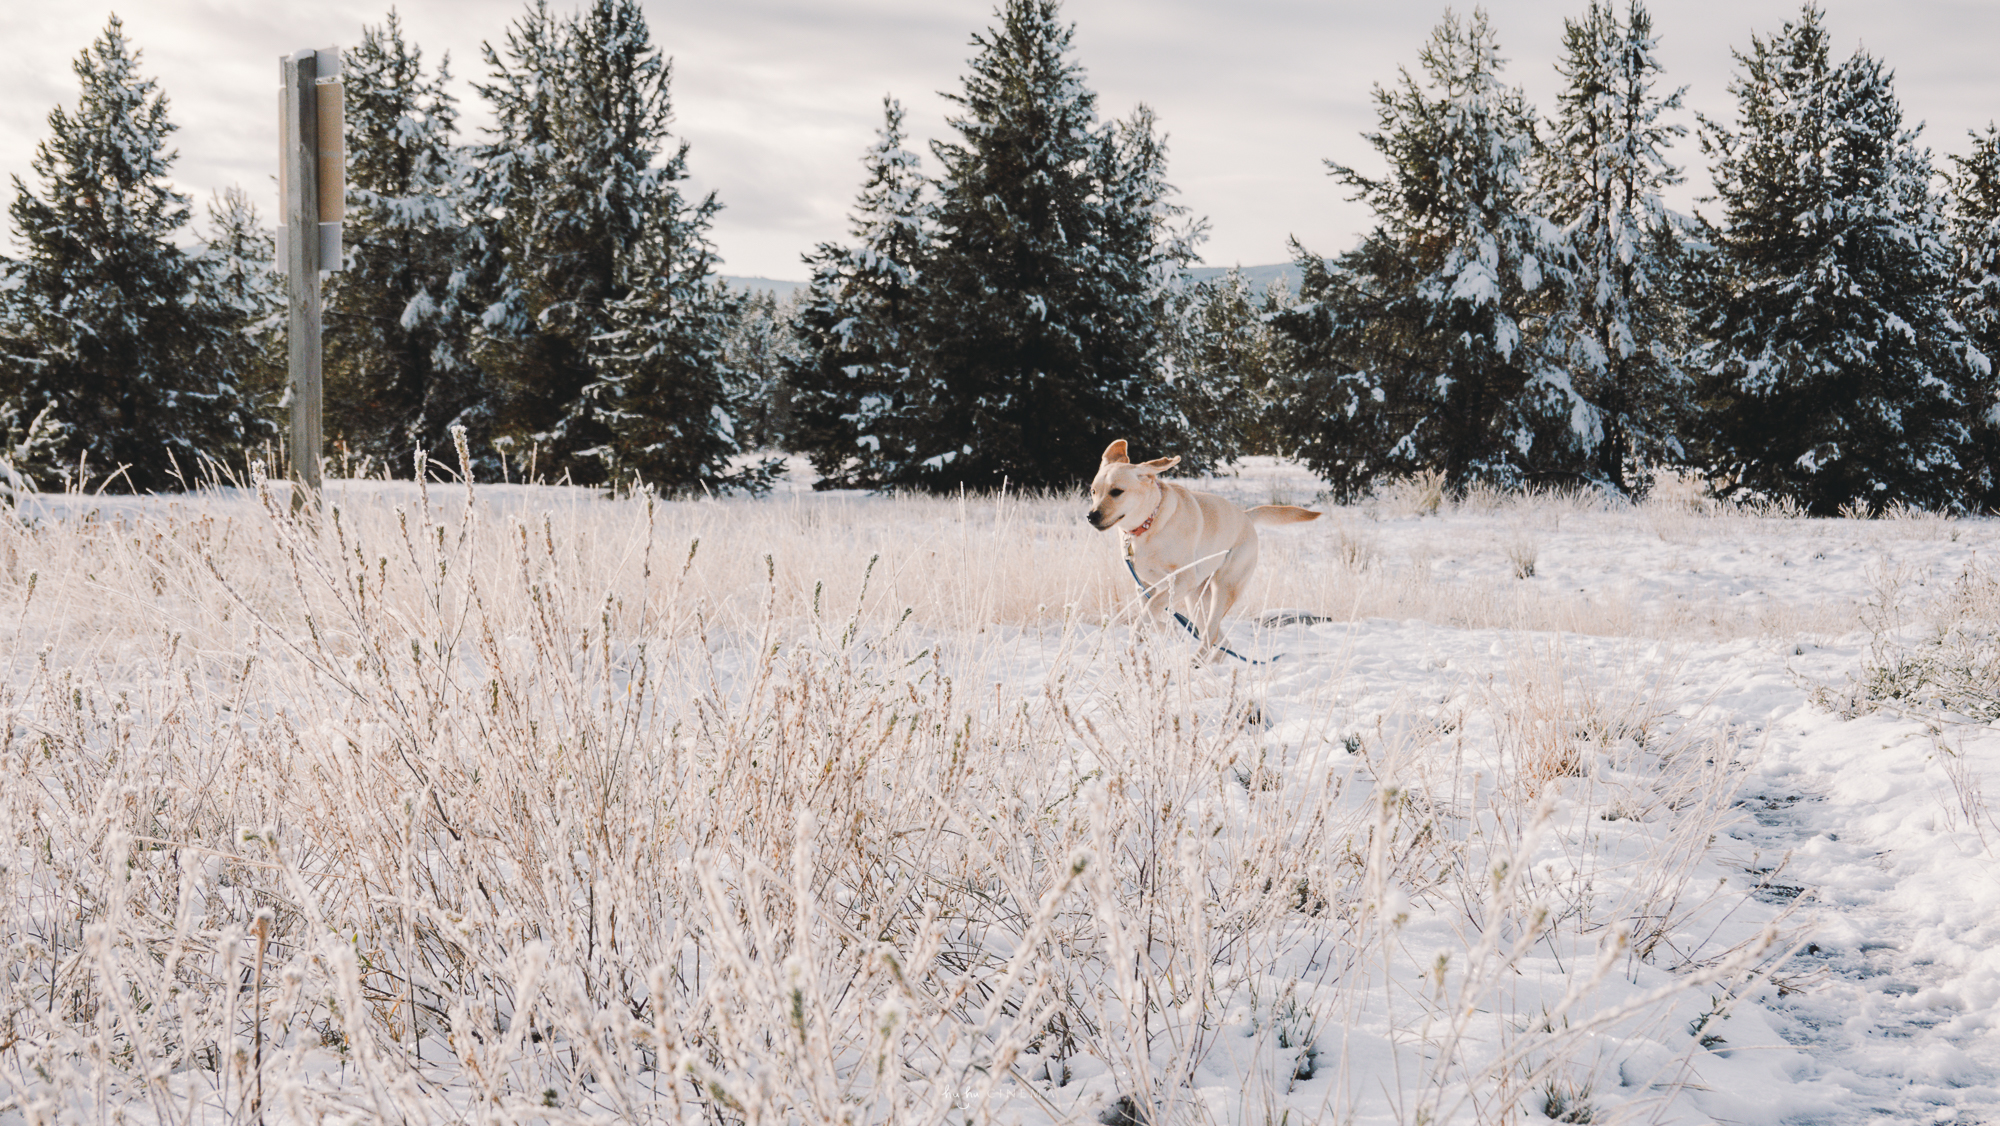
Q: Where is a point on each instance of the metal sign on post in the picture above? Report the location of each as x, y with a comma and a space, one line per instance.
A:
312, 194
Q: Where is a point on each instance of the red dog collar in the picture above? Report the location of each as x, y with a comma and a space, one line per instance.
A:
1141, 529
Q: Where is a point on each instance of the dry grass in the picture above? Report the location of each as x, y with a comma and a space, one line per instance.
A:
525, 806
1523, 548
1935, 650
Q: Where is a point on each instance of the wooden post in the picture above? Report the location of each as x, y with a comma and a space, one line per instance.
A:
298, 179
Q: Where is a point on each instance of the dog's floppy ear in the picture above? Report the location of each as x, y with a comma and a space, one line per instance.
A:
1114, 454
1158, 465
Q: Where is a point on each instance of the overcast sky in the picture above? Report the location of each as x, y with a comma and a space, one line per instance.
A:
780, 97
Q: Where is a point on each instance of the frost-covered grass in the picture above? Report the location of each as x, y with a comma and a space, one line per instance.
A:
520, 804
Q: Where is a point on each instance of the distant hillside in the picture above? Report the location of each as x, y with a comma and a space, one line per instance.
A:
1260, 277
782, 289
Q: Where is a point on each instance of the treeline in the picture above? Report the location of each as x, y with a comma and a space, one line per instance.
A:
1527, 310
1524, 310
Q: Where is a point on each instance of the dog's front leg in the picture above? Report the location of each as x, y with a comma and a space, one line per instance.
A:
1210, 606
1159, 597
1196, 624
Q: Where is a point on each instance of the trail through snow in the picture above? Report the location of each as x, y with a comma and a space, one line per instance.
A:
1893, 1000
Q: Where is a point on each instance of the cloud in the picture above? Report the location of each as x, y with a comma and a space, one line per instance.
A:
779, 98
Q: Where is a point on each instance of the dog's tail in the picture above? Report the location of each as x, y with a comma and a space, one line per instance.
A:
1281, 514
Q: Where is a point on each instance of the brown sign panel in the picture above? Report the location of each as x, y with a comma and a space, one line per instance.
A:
332, 157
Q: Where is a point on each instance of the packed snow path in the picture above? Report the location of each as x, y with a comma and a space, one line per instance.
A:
1892, 999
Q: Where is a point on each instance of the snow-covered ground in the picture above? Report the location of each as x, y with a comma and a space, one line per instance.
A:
1874, 829
1552, 812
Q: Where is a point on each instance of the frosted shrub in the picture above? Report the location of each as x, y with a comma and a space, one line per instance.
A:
1922, 523
1420, 494
1944, 666
1522, 548
1356, 549
1678, 490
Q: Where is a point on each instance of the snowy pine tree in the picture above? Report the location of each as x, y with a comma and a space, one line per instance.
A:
1150, 241
855, 403
602, 313
508, 172
1222, 362
116, 343
759, 351
398, 372
30, 446
1833, 370
1417, 349
240, 297
1044, 279
1975, 215
664, 390
546, 272
239, 256
1620, 334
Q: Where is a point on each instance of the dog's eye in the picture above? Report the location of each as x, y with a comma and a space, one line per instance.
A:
1117, 492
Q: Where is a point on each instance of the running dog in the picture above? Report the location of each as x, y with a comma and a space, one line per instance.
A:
1188, 548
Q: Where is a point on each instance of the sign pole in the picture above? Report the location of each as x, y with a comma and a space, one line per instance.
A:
299, 178
311, 198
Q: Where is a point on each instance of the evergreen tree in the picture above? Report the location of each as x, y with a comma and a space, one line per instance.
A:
239, 260
758, 351
240, 300
1418, 349
398, 376
1834, 370
1042, 286
116, 340
664, 390
1151, 240
1222, 362
1264, 373
856, 406
1976, 234
32, 438
1620, 334
30, 449
603, 313
507, 173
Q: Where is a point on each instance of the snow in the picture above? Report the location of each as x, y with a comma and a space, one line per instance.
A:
1848, 839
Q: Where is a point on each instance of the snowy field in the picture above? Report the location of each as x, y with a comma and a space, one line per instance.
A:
527, 806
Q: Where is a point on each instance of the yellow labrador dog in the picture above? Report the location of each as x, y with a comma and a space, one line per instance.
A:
1188, 548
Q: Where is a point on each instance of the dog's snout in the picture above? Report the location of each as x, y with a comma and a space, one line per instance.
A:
1095, 517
